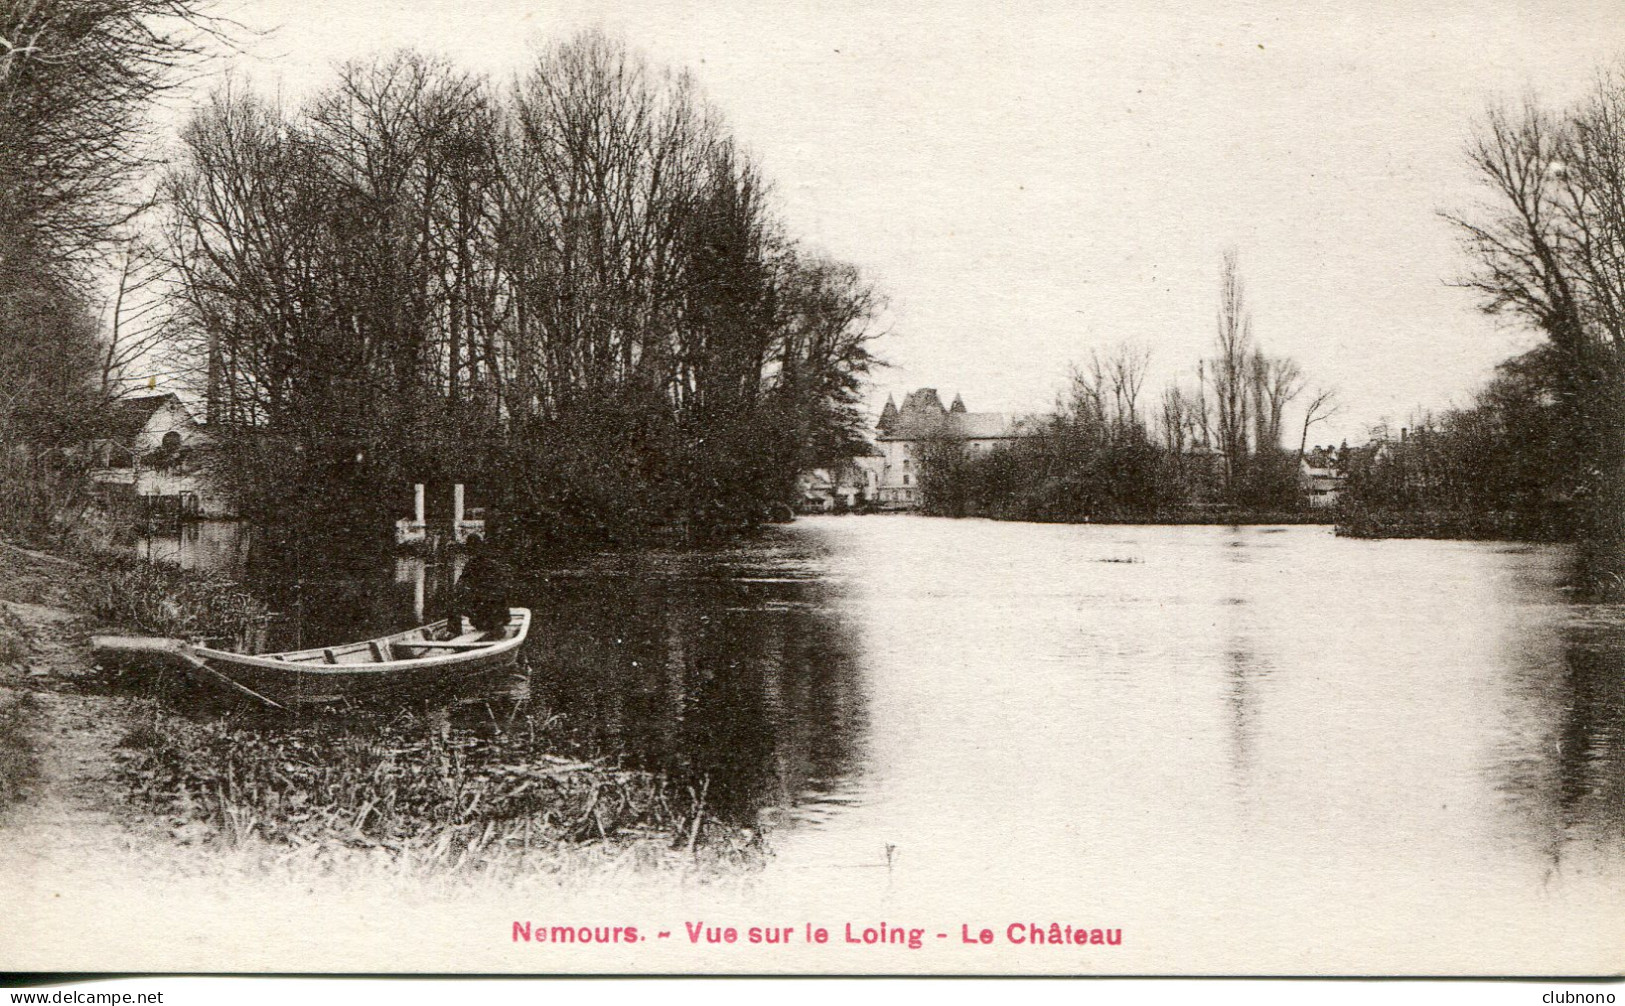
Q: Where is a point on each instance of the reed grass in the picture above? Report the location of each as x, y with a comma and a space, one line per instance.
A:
421, 795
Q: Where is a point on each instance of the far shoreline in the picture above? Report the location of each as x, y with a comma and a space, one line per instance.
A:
1433, 526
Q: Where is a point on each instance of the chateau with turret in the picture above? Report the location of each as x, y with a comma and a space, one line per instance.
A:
902, 434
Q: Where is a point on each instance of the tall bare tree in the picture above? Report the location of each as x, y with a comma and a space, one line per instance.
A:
1176, 420
1323, 405
1277, 381
77, 82
1232, 370
138, 331
1548, 246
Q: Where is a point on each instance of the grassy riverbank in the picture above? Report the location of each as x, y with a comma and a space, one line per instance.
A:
480, 788
1170, 516
1447, 524
417, 794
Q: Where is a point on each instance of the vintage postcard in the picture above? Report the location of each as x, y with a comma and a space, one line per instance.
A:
812, 488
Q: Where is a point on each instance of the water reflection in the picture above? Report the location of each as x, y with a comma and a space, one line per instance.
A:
428, 582
1200, 710
728, 668
213, 546
1591, 745
739, 673
1559, 757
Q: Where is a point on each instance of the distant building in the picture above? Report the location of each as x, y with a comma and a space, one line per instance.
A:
154, 450
1321, 476
903, 434
849, 485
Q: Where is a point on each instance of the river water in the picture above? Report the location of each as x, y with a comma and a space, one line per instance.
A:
1270, 749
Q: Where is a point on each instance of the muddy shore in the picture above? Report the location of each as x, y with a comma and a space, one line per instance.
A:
61, 730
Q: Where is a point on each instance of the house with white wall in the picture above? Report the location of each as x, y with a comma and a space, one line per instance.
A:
848, 485
1321, 477
154, 450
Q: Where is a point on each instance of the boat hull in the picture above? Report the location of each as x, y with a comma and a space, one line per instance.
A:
408, 662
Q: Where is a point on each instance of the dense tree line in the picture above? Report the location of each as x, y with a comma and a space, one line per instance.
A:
1215, 446
1490, 469
77, 80
571, 291
1548, 244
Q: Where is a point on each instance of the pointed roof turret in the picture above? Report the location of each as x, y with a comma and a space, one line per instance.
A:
958, 406
923, 402
888, 416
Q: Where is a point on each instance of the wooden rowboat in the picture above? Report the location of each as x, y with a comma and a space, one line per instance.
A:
413, 660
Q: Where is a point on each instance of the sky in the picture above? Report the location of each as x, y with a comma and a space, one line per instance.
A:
1026, 182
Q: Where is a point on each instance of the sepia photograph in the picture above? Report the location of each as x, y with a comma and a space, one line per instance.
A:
593, 487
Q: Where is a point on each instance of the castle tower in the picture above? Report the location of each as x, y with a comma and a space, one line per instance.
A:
888, 416
923, 403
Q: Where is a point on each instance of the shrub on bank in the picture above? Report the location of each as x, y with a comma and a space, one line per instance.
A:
164, 601
1468, 525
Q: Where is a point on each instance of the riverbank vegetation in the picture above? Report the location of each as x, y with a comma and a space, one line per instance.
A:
419, 794
1210, 450
160, 600
1489, 470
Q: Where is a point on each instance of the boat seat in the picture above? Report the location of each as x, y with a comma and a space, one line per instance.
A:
380, 651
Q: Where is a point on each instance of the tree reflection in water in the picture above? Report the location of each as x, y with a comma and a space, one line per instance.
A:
731, 670
750, 682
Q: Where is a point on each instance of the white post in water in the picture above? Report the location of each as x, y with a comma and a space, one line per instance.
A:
417, 503
457, 512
